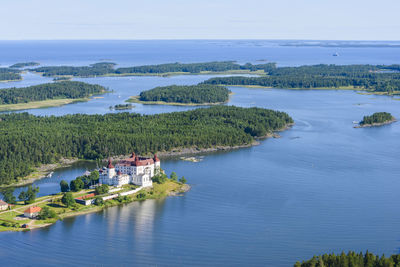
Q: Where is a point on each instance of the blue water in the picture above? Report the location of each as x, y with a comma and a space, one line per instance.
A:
322, 187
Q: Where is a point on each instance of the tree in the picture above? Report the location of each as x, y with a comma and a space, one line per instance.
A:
8, 195
159, 178
68, 200
183, 180
47, 213
173, 176
30, 195
141, 195
64, 186
76, 185
99, 201
102, 189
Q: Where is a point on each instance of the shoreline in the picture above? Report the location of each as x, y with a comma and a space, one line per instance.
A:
42, 171
48, 103
376, 124
135, 99
173, 189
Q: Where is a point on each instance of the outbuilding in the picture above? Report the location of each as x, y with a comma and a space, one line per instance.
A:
32, 212
3, 205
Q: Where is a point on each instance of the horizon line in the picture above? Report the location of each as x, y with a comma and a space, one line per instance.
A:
207, 39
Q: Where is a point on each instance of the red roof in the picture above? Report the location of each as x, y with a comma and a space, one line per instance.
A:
156, 158
33, 209
2, 203
134, 160
86, 196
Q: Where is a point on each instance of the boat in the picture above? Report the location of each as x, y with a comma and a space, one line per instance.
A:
50, 174
336, 54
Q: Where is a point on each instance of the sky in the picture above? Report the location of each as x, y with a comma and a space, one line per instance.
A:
200, 19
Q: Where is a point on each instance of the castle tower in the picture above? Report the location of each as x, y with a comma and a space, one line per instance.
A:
110, 169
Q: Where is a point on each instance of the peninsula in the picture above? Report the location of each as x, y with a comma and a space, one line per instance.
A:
202, 94
132, 179
376, 119
28, 141
47, 95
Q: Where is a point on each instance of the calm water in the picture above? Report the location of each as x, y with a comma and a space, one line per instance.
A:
323, 187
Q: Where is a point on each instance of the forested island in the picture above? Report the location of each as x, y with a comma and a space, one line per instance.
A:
122, 106
185, 94
351, 259
374, 78
47, 94
27, 141
24, 64
107, 69
377, 119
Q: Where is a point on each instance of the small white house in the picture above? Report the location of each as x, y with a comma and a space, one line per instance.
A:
32, 212
3, 205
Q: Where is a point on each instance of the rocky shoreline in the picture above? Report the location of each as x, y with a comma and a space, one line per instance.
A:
375, 124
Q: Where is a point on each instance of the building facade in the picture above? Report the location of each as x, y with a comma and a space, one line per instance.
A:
135, 170
32, 212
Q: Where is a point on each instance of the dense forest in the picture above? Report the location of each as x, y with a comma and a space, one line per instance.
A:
197, 94
107, 68
7, 74
24, 64
66, 89
378, 117
27, 141
97, 69
367, 77
218, 66
352, 259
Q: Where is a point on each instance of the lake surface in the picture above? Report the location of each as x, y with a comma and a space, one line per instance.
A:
322, 187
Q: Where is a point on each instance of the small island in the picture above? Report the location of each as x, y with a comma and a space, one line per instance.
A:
122, 107
376, 119
24, 64
131, 179
47, 95
201, 94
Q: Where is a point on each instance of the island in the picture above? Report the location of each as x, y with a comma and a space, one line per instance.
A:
107, 69
47, 95
202, 94
376, 119
24, 64
351, 259
134, 178
122, 107
28, 141
377, 79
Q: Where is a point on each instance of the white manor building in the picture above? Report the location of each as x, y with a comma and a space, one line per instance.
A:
135, 170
